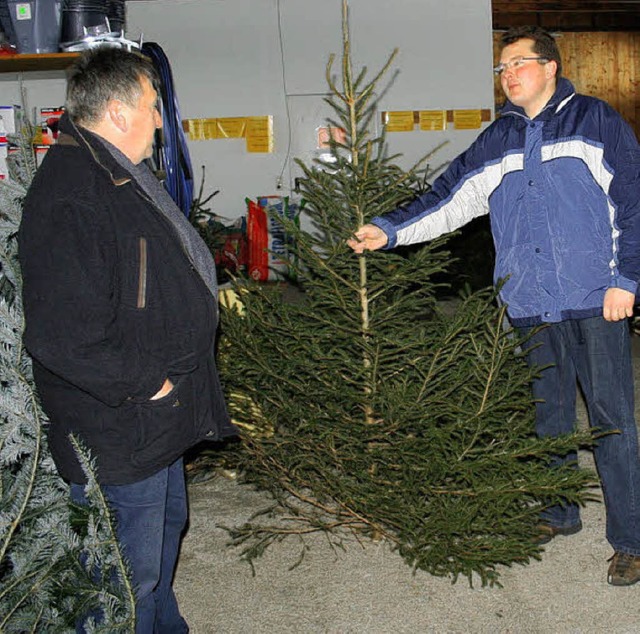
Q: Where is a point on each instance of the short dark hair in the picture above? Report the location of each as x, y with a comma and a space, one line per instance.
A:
544, 44
104, 73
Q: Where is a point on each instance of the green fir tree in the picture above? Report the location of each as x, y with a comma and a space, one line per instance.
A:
364, 406
49, 552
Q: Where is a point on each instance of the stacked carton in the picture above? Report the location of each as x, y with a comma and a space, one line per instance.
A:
9, 124
46, 133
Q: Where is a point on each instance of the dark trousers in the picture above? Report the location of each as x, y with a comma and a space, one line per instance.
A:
151, 516
597, 354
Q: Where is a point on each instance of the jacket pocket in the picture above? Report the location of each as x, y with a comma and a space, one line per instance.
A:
142, 273
165, 425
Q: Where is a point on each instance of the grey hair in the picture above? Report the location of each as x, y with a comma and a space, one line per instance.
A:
102, 74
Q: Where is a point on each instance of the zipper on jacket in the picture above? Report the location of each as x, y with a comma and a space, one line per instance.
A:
172, 228
142, 274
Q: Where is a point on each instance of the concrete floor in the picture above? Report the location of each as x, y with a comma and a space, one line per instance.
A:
369, 589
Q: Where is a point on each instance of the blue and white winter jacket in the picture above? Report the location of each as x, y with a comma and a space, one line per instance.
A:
563, 194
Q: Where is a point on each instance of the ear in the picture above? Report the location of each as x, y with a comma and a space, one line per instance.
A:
117, 115
551, 69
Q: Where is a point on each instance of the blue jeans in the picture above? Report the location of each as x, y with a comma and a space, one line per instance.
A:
151, 516
598, 354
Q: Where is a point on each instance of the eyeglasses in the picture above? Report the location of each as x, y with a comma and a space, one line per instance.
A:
516, 63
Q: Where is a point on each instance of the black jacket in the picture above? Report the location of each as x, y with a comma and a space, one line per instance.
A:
113, 306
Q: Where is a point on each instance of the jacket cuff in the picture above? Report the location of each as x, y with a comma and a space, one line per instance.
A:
619, 281
389, 229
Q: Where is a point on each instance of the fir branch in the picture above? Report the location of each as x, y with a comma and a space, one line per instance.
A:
110, 539
39, 551
33, 460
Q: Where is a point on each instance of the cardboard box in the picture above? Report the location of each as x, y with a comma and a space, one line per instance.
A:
49, 118
40, 151
9, 121
4, 151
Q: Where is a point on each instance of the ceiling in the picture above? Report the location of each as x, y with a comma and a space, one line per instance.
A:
568, 15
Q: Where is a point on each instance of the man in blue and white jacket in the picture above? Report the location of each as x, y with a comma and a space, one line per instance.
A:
559, 175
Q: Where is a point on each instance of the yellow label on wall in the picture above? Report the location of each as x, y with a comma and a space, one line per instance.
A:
260, 144
232, 127
203, 129
194, 129
259, 126
258, 131
467, 119
259, 134
432, 119
399, 121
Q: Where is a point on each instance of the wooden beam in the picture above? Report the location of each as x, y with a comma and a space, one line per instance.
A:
573, 6
569, 21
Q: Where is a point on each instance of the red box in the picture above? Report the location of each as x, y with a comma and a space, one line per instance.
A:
50, 118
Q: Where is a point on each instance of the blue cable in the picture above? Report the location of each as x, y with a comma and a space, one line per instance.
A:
173, 152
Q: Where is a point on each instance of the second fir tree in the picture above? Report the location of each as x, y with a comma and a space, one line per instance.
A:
367, 408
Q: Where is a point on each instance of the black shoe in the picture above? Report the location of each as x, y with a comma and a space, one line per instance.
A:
546, 532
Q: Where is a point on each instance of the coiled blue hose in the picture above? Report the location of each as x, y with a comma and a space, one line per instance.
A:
171, 152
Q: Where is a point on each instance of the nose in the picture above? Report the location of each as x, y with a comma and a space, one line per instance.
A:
509, 71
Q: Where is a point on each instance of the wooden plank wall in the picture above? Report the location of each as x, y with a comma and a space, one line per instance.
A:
601, 64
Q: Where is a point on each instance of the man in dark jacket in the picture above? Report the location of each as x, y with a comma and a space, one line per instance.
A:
120, 301
559, 175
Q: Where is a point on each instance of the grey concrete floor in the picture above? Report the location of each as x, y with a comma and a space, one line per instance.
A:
369, 589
